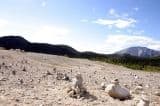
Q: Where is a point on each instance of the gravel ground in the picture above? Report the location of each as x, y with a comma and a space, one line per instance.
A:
32, 79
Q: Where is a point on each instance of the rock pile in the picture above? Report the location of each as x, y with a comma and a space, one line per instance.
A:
116, 91
77, 90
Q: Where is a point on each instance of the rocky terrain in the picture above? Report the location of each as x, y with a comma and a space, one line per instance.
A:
32, 79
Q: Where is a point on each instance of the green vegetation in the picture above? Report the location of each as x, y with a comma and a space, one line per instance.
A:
146, 64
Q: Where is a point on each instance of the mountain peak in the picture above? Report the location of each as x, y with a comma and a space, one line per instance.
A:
139, 51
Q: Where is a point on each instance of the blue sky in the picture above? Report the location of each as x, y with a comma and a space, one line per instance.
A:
103, 26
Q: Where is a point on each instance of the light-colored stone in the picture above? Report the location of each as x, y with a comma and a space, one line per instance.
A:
138, 89
103, 86
144, 101
116, 91
77, 90
77, 81
157, 93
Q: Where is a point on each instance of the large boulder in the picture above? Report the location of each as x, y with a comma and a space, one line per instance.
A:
116, 91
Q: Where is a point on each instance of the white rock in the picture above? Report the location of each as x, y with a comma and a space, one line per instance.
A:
116, 91
77, 90
103, 86
157, 93
144, 101
77, 81
147, 86
138, 89
135, 76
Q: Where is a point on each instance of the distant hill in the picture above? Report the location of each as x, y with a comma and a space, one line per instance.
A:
139, 52
17, 42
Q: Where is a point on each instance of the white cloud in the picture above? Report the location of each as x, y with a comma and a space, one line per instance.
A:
33, 32
115, 43
3, 23
136, 9
119, 23
140, 32
113, 12
44, 3
49, 34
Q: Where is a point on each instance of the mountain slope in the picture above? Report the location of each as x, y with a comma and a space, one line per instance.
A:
17, 42
139, 52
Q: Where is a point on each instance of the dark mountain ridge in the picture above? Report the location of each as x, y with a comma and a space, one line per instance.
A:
17, 42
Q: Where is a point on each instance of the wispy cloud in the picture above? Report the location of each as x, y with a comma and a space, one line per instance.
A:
44, 3
50, 34
115, 43
3, 23
113, 12
117, 20
118, 23
136, 9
